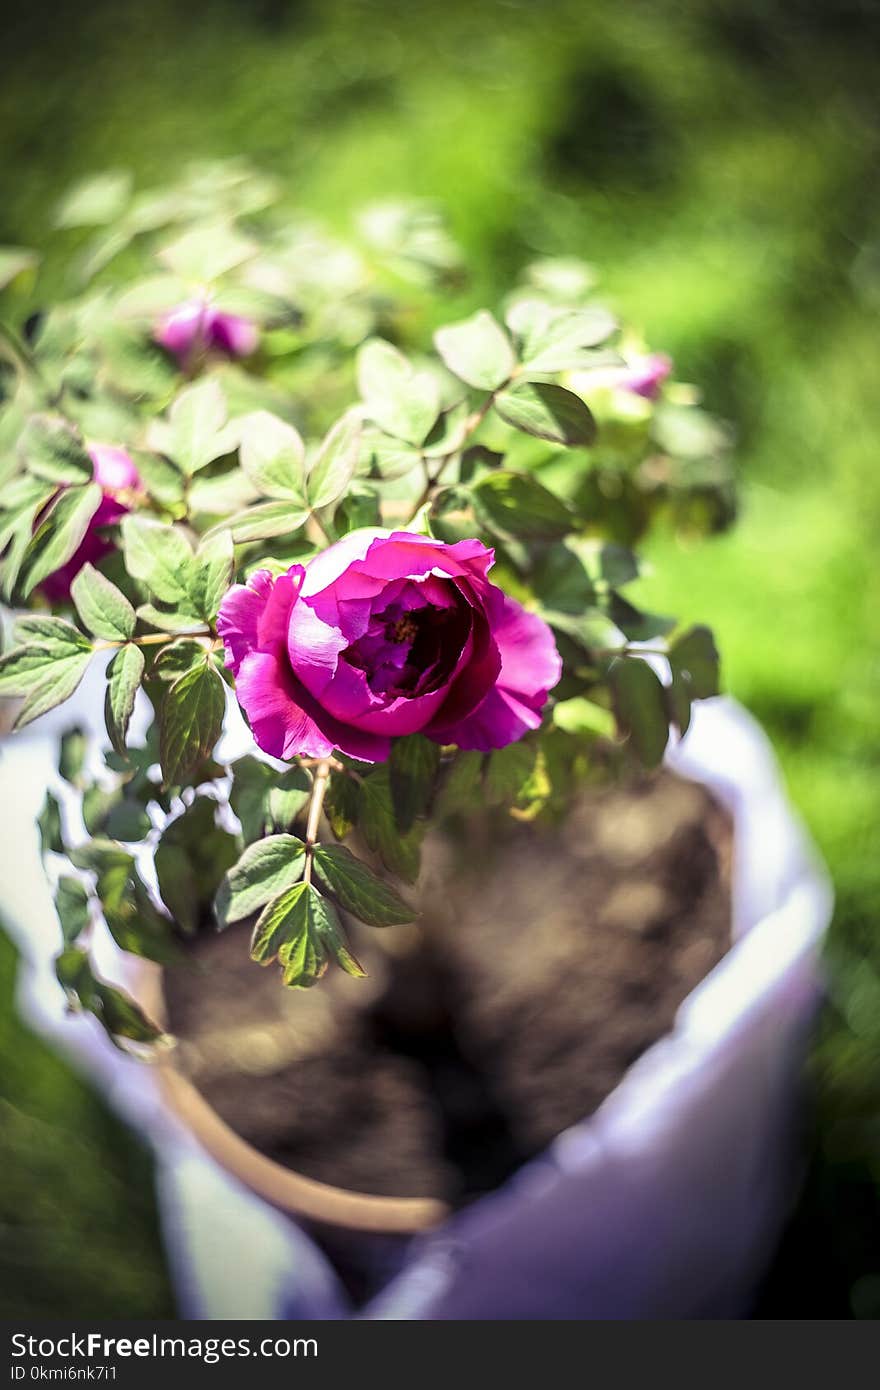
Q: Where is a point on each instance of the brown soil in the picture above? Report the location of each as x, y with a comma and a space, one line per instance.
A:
544, 963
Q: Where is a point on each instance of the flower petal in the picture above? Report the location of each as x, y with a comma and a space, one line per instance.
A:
530, 668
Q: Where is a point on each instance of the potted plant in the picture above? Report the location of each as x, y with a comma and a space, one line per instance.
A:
392, 565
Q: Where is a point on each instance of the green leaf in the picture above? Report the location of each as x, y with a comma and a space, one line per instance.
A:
16, 531
548, 411
301, 930
518, 505
635, 625
190, 722
96, 805
413, 767
399, 851
403, 402
123, 678
342, 804
251, 783
687, 432
117, 1012
26, 667
170, 620
508, 772
694, 663
95, 201
640, 707
58, 684
265, 869
132, 918
177, 658
357, 889
192, 856
60, 533
107, 812
196, 432
127, 820
558, 340
55, 635
359, 508
462, 787
212, 574
14, 260
109, 861
160, 556
52, 450
103, 608
582, 716
287, 797
72, 906
272, 455
207, 252
334, 466
266, 520
220, 493
477, 351
123, 1018
390, 458
606, 562
695, 657
162, 480
72, 755
679, 703
49, 826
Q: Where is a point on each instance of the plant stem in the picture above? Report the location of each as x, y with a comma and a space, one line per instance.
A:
152, 639
19, 353
471, 424
319, 788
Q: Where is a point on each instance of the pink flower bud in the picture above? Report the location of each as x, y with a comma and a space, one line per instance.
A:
196, 326
118, 478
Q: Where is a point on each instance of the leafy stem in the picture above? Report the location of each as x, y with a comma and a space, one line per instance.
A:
470, 426
19, 354
316, 804
153, 639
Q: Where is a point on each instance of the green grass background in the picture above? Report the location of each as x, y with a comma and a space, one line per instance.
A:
717, 160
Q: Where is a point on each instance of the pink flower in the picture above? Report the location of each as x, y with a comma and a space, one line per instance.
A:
119, 478
642, 376
645, 375
384, 634
196, 326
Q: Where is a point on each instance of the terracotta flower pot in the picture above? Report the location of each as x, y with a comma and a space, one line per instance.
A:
665, 1203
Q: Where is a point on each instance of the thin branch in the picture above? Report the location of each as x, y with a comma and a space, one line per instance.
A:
316, 804
470, 426
153, 639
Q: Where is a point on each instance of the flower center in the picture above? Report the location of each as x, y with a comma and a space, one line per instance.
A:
411, 646
404, 630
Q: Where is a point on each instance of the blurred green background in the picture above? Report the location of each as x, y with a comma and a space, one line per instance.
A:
717, 160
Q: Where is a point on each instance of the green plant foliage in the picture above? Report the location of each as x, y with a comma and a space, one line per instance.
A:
191, 858
265, 869
413, 768
477, 351
357, 889
190, 721
301, 930
362, 396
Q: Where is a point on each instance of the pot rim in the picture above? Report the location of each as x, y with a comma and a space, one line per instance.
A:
292, 1192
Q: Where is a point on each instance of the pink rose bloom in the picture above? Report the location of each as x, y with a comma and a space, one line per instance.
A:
384, 634
195, 326
119, 478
